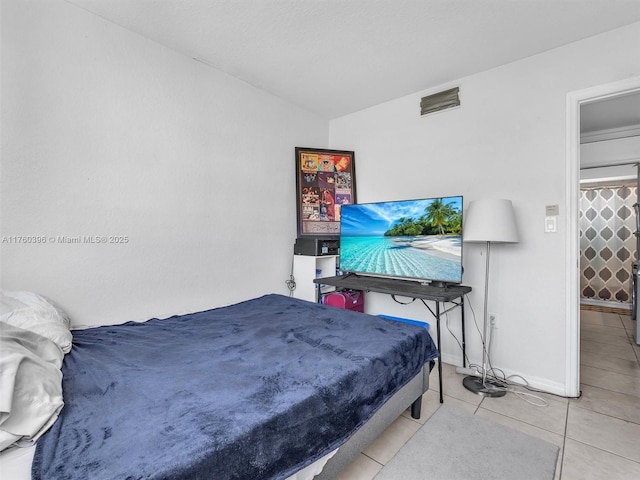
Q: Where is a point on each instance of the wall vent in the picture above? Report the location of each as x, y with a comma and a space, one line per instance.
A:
440, 101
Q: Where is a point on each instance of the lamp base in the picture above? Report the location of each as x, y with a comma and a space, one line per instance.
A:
487, 389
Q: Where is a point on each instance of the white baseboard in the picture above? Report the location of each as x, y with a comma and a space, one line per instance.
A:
542, 384
605, 303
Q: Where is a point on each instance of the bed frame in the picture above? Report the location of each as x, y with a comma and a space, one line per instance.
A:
409, 396
17, 464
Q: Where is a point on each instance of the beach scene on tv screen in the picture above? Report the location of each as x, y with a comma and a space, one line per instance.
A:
419, 239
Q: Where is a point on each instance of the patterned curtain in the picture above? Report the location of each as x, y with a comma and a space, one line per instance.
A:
607, 242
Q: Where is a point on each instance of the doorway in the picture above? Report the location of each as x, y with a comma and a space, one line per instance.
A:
608, 244
575, 101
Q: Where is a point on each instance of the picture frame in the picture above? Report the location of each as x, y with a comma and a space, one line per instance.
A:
325, 180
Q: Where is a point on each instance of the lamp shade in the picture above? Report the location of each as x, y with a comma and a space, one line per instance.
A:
490, 220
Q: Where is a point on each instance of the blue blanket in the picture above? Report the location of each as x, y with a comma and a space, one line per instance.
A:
255, 390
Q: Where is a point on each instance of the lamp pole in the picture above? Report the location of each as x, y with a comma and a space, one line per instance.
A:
483, 386
486, 304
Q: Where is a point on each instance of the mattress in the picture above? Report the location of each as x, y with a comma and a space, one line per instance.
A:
260, 389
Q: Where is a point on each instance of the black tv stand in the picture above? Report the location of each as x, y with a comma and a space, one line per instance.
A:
444, 292
349, 274
440, 294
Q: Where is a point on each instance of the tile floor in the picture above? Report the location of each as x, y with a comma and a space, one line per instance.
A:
598, 434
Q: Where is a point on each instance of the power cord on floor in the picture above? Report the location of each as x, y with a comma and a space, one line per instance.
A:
502, 379
510, 386
504, 384
291, 283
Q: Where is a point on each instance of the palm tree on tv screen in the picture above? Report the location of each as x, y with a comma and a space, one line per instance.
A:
439, 218
438, 214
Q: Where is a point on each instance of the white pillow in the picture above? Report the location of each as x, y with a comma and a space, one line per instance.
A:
30, 385
33, 312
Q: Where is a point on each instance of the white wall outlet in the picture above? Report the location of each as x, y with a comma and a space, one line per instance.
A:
493, 320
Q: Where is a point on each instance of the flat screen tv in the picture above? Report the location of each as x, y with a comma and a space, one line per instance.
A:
410, 239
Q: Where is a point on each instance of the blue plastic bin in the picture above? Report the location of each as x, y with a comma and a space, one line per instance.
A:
406, 320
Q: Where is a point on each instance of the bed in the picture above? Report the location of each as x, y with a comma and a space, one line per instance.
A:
269, 388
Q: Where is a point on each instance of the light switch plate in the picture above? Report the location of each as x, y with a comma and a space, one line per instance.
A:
550, 224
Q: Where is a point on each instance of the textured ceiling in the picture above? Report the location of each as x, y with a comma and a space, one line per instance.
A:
334, 57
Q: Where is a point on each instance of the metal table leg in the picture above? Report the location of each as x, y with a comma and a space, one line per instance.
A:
440, 358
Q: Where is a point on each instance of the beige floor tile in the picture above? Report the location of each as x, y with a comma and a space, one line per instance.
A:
598, 445
627, 322
452, 385
614, 364
608, 338
606, 433
461, 404
551, 417
383, 448
613, 404
584, 462
618, 351
602, 329
362, 468
600, 318
609, 380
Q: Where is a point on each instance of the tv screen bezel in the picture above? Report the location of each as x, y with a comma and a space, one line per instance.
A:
426, 279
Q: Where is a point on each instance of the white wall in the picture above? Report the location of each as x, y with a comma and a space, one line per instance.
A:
506, 141
107, 133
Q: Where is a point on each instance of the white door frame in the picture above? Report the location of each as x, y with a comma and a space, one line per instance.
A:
574, 101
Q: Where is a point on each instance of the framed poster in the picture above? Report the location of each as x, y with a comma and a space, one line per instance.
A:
325, 180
